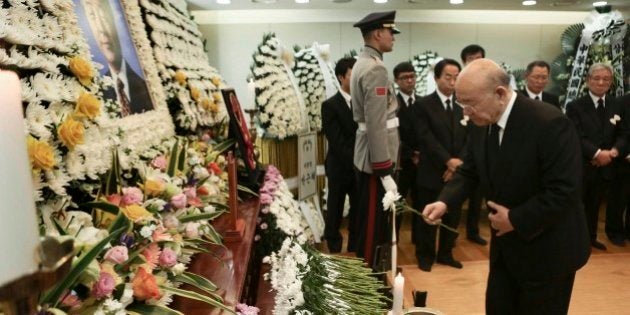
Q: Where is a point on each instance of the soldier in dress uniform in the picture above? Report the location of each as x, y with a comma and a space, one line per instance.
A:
377, 140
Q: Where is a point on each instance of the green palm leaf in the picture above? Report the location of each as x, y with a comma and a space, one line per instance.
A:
198, 297
144, 309
570, 38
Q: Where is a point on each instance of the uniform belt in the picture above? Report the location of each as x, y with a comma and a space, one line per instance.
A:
391, 123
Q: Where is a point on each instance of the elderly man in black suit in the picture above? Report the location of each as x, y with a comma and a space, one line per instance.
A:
340, 130
441, 132
526, 157
597, 118
405, 78
537, 77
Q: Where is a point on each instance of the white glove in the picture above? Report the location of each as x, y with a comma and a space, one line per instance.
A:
389, 184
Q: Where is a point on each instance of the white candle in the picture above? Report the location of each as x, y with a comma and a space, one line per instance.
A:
251, 92
19, 235
399, 284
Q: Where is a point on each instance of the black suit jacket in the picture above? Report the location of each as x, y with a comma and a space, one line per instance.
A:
340, 130
439, 140
594, 135
406, 128
139, 99
538, 177
546, 97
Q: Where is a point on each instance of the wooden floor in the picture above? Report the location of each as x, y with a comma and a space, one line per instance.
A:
601, 287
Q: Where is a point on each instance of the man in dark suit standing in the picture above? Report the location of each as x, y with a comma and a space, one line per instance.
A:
469, 54
340, 130
405, 78
526, 157
618, 223
441, 131
537, 77
603, 136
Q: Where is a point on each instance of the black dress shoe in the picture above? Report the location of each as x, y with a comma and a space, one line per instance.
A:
424, 265
598, 245
477, 239
450, 261
334, 247
618, 240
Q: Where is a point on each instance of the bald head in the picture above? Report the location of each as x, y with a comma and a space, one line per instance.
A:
483, 88
484, 74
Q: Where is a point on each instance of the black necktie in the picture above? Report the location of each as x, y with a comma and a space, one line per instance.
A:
601, 111
493, 147
449, 111
124, 100
409, 102
537, 98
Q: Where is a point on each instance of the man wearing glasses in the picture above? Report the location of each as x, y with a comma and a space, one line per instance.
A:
405, 78
526, 157
602, 137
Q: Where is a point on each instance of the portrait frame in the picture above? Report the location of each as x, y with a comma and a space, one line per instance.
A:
140, 131
240, 130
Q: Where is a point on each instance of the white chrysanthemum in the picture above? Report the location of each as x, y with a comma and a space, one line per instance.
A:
38, 121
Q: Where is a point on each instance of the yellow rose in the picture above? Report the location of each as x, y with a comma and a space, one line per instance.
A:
216, 81
87, 106
195, 93
71, 133
180, 77
82, 69
206, 103
135, 212
154, 187
40, 154
217, 97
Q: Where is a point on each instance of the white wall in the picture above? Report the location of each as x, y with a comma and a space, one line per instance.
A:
231, 44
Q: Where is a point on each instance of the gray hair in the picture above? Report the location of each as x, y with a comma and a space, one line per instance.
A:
599, 66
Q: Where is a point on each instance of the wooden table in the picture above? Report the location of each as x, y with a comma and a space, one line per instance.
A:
230, 268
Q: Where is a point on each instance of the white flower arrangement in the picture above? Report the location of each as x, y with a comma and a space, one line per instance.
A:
331, 284
423, 66
278, 100
192, 84
311, 82
288, 267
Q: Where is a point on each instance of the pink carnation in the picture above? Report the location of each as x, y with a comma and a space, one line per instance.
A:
179, 201
265, 199
117, 254
159, 162
168, 258
131, 195
104, 286
190, 192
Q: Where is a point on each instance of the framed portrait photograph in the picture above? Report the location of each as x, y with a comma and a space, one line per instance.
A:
108, 34
240, 130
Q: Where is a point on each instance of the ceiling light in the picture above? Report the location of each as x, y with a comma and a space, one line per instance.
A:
264, 1
599, 3
529, 2
380, 1
224, 1
456, 1
301, 1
